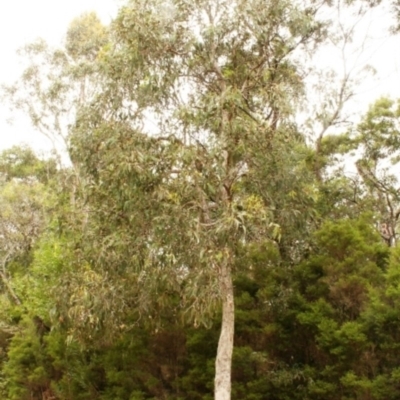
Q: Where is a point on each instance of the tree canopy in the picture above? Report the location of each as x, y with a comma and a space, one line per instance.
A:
199, 243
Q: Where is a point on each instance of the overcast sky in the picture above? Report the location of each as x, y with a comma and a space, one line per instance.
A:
22, 21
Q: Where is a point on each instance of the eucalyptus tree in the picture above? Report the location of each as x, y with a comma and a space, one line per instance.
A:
177, 151
377, 138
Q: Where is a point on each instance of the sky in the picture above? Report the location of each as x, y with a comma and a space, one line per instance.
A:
22, 21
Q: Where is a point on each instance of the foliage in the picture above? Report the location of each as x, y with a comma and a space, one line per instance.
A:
121, 274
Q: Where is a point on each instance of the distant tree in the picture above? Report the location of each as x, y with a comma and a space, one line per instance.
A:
59, 80
377, 138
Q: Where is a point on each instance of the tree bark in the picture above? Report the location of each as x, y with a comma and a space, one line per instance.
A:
223, 363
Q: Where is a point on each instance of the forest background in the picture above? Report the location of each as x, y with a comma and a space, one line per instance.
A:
197, 236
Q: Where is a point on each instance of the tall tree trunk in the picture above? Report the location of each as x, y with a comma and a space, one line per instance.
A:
223, 363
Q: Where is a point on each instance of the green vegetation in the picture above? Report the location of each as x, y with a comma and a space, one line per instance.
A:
197, 245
